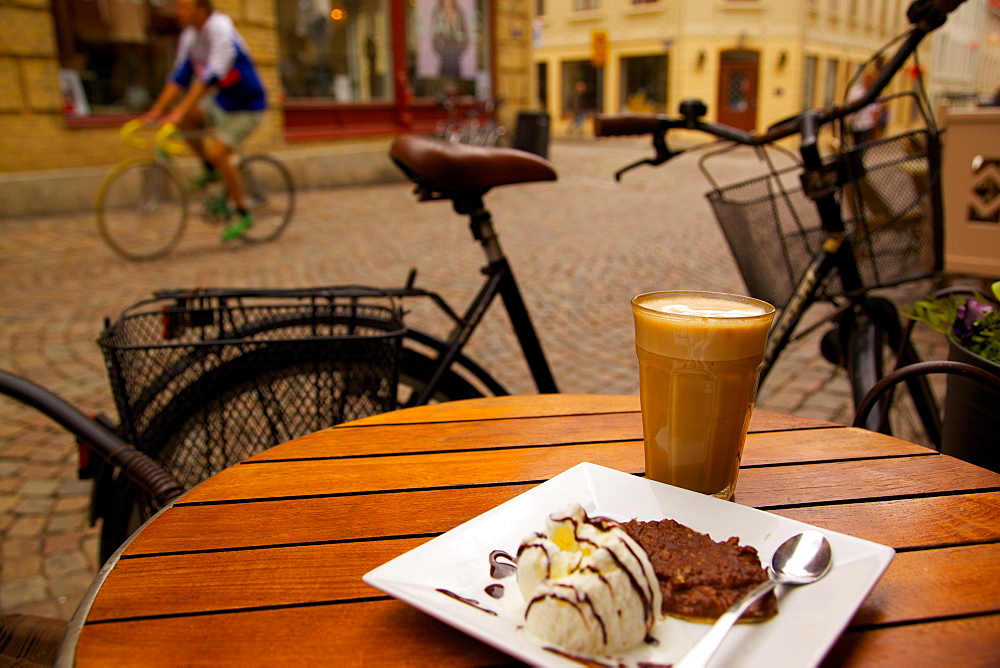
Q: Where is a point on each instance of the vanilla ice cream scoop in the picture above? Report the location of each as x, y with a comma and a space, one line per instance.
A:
590, 589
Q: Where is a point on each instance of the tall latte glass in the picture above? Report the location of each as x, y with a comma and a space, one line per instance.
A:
699, 362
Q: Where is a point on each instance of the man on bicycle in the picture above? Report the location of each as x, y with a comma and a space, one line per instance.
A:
212, 56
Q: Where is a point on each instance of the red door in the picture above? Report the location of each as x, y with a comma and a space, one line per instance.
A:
737, 103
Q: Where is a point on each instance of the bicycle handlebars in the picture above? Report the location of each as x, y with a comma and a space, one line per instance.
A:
924, 15
162, 139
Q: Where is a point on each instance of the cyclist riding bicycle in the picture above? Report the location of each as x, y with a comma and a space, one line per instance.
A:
212, 56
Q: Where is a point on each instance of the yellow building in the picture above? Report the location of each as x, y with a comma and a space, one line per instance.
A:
752, 61
343, 76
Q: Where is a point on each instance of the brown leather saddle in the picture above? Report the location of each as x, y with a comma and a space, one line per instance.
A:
451, 169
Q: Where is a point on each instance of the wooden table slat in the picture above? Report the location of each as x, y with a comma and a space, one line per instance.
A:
911, 523
493, 408
915, 583
382, 440
944, 520
320, 635
778, 485
970, 642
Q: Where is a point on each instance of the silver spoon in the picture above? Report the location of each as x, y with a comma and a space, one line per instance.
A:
802, 559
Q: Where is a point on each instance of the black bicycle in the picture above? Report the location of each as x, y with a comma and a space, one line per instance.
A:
831, 227
205, 378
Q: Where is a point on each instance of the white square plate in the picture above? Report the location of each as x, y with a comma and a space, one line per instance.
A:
810, 618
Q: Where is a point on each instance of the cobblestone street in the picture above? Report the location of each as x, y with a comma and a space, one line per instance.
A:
581, 248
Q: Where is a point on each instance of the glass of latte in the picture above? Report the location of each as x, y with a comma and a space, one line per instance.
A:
700, 355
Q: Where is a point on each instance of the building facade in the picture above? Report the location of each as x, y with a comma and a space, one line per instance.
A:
752, 61
337, 71
965, 64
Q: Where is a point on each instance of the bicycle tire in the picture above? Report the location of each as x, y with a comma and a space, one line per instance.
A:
870, 353
270, 195
914, 415
177, 424
141, 209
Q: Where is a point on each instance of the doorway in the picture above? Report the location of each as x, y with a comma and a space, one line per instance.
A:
737, 101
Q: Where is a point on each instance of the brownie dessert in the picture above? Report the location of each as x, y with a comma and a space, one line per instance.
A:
700, 578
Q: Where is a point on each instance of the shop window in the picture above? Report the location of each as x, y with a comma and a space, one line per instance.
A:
114, 55
448, 47
644, 84
341, 51
334, 50
579, 89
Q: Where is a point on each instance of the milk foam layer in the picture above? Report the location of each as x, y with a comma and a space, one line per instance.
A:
706, 309
590, 588
701, 326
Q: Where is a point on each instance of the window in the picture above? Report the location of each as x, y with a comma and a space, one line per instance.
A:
830, 83
809, 82
579, 88
343, 52
644, 84
584, 5
367, 67
114, 54
448, 47
332, 51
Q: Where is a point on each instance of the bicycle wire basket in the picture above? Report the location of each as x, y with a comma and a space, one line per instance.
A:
204, 379
890, 204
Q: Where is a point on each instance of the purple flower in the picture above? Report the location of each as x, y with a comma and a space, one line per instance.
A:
967, 315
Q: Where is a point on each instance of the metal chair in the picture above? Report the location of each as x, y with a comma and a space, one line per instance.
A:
30, 640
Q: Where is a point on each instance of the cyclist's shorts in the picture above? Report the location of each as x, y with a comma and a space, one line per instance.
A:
231, 127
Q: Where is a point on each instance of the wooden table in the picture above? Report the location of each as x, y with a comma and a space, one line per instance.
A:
262, 564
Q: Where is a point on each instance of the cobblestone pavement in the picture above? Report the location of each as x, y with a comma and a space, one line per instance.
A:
582, 247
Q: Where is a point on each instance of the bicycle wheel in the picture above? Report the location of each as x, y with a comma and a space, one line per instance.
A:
270, 195
873, 340
416, 370
247, 405
142, 209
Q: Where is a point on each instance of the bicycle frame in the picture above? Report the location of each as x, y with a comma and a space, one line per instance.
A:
499, 280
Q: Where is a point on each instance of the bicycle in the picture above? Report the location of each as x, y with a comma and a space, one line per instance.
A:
857, 220
480, 127
205, 378
143, 204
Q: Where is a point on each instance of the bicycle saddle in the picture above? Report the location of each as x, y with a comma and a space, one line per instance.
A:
449, 168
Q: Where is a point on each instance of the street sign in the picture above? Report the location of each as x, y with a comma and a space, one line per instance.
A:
599, 48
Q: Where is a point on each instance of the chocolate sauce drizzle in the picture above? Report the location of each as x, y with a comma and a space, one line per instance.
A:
468, 601
494, 590
498, 570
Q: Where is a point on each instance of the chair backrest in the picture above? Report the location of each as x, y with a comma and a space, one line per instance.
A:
29, 640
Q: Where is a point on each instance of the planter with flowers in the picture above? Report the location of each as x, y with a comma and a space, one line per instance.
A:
972, 408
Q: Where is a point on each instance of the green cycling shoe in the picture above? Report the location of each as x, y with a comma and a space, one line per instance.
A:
236, 230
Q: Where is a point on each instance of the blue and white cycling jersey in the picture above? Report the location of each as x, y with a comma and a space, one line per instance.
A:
218, 56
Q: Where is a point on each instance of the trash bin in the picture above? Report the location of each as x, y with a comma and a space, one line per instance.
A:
532, 132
